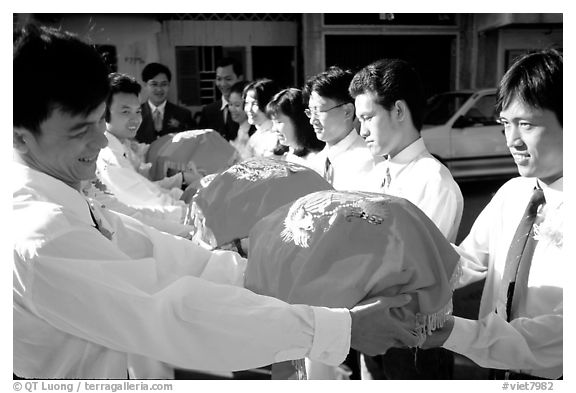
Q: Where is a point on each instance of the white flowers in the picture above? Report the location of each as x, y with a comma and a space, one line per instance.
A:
550, 228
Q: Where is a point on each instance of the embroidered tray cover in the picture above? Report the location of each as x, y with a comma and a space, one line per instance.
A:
205, 151
336, 248
228, 207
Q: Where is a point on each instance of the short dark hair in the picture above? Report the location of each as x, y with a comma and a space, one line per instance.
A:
120, 83
153, 69
289, 102
536, 80
392, 80
264, 89
226, 61
332, 83
238, 87
54, 69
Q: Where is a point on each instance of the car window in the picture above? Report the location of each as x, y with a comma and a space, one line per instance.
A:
483, 113
440, 108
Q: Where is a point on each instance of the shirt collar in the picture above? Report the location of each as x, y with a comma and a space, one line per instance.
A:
224, 103
406, 156
409, 153
160, 107
50, 189
114, 143
340, 147
554, 192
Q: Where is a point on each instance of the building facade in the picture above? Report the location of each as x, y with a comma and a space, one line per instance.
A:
450, 51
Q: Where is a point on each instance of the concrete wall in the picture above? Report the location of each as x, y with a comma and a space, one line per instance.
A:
135, 37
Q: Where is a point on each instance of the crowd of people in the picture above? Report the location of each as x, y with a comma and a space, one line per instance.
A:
346, 248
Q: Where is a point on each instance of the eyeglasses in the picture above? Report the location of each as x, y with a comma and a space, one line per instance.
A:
158, 84
315, 111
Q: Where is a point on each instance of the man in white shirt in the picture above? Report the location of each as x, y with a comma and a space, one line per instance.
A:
520, 325
389, 103
122, 184
92, 288
345, 161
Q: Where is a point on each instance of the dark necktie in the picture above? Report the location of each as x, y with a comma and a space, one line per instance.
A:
516, 271
328, 171
387, 180
225, 114
98, 223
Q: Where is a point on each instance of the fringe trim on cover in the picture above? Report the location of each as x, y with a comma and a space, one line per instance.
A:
428, 323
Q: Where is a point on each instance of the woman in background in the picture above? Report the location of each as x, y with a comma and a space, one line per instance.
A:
256, 95
245, 129
292, 126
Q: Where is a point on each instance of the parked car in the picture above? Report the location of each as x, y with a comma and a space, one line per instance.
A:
460, 129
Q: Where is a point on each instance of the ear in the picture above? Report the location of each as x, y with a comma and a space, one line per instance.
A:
400, 111
21, 139
349, 110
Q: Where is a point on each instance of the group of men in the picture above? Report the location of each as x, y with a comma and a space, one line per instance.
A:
161, 117
96, 292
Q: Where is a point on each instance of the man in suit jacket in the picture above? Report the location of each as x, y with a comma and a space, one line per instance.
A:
216, 115
159, 116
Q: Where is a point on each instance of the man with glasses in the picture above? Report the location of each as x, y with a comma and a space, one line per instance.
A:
345, 161
159, 116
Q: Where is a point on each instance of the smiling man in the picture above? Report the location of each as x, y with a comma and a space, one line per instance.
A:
122, 172
160, 116
345, 161
516, 242
93, 288
217, 115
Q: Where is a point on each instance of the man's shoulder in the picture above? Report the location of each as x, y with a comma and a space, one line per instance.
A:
177, 109
37, 220
212, 108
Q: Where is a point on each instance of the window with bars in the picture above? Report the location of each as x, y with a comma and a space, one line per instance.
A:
196, 72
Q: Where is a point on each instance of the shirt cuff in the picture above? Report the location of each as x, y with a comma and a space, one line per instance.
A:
332, 332
461, 335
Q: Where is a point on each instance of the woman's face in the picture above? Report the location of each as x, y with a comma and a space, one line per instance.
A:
255, 115
236, 107
284, 128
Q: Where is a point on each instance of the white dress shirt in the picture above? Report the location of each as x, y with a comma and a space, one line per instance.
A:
140, 195
419, 177
531, 344
351, 161
82, 303
160, 108
306, 160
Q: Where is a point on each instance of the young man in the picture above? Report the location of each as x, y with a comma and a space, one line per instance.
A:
217, 115
389, 104
516, 242
345, 160
93, 288
122, 172
160, 116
